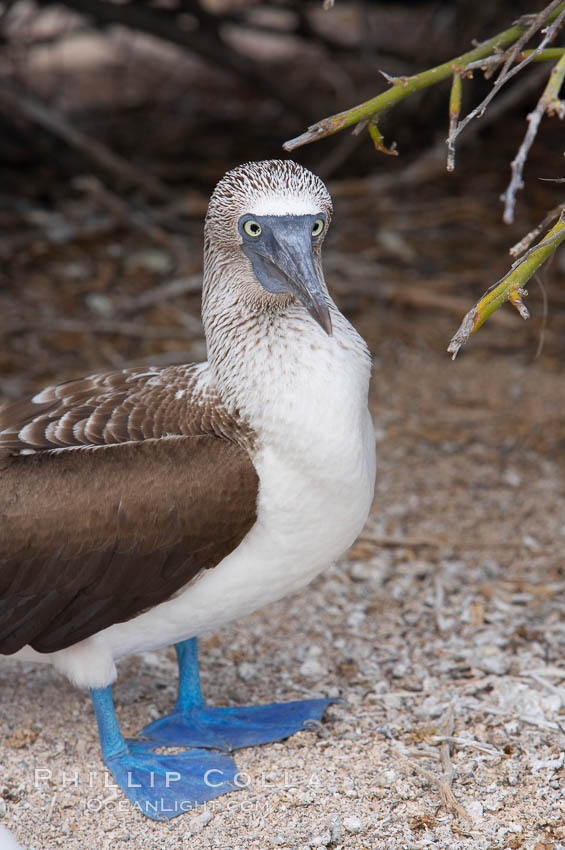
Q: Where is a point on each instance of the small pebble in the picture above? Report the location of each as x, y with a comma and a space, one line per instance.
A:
431, 707
335, 829
312, 667
100, 304
512, 478
153, 712
474, 809
353, 824
150, 259
360, 571
321, 840
201, 821
7, 840
246, 671
386, 778
491, 659
512, 772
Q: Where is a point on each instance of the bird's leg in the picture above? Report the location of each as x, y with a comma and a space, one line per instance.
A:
189, 692
112, 742
195, 724
160, 786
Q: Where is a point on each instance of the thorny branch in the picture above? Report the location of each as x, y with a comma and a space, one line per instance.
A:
507, 72
506, 49
401, 87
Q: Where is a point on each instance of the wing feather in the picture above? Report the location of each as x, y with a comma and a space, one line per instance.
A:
158, 486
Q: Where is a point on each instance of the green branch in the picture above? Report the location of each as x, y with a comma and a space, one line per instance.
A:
510, 288
551, 54
402, 87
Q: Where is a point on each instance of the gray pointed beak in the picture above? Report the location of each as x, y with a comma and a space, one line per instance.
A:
283, 261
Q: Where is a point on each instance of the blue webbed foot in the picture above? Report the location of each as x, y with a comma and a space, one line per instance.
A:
194, 724
229, 729
164, 786
160, 786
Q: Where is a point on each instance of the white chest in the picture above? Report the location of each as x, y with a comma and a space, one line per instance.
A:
316, 465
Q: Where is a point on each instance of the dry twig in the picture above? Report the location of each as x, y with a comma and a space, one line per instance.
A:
507, 72
190, 285
137, 219
444, 782
548, 103
527, 240
104, 326
486, 56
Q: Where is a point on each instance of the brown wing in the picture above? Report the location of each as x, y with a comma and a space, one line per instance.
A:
93, 536
115, 407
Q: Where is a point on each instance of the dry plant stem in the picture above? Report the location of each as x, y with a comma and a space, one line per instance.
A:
525, 243
401, 87
432, 162
443, 783
190, 285
510, 288
549, 102
124, 213
446, 780
404, 86
490, 63
119, 328
454, 112
537, 22
545, 313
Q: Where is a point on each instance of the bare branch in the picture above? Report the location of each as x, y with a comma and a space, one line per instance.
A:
525, 243
506, 73
549, 102
103, 326
402, 87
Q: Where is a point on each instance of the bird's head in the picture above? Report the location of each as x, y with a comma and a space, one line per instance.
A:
268, 220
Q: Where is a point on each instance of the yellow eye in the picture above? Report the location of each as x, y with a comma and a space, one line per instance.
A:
252, 228
318, 227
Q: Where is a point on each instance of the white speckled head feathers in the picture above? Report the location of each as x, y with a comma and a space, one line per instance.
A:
271, 187
231, 292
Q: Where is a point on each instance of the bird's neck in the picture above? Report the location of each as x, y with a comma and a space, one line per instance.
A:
275, 366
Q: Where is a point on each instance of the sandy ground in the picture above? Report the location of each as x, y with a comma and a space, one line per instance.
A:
442, 629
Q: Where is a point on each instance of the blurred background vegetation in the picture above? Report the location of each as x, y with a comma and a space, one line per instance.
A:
117, 118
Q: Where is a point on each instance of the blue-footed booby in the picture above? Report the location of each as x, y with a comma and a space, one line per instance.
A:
140, 508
